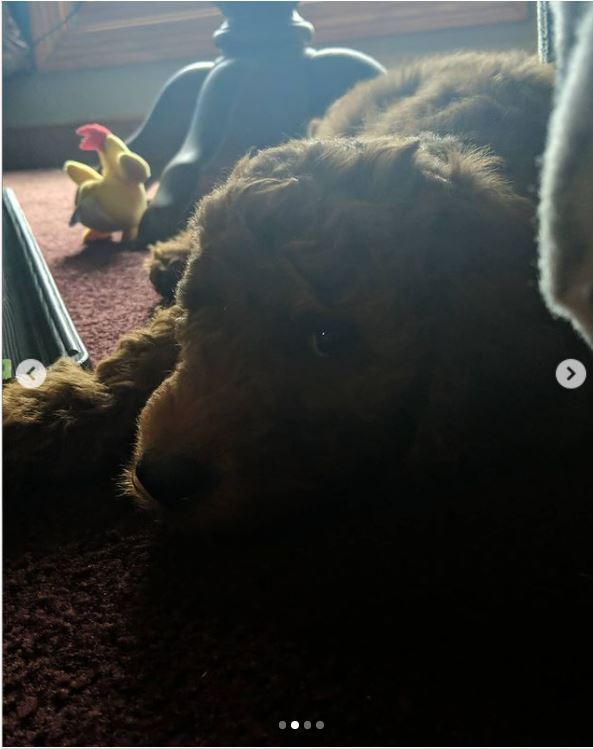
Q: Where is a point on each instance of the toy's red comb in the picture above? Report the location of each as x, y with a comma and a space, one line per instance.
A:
93, 137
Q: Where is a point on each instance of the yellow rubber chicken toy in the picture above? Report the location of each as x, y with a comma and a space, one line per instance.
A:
114, 200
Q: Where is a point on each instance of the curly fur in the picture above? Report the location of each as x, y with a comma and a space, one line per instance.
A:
356, 305
82, 423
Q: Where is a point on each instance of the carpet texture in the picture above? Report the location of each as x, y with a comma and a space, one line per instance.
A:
106, 291
446, 630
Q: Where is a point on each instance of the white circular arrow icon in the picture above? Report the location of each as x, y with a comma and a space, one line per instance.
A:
571, 374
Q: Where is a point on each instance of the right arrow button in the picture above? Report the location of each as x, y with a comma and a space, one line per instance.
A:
571, 374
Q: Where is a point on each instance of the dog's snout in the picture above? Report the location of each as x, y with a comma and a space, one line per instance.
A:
173, 481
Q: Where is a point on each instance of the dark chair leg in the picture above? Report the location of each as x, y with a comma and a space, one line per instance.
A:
162, 133
265, 88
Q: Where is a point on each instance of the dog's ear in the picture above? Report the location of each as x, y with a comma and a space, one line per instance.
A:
481, 237
474, 171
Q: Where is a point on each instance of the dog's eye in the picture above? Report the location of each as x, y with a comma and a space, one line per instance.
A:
329, 341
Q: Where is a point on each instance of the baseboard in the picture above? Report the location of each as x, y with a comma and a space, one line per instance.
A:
48, 147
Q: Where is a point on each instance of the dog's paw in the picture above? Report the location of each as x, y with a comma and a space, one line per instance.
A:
167, 262
47, 430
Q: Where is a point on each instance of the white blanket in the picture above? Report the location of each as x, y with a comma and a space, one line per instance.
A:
566, 205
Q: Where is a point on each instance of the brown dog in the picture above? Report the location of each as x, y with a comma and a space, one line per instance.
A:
362, 303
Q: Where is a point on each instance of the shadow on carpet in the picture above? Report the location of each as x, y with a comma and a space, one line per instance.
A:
437, 630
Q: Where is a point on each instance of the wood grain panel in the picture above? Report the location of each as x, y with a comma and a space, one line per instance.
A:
338, 21
119, 33
50, 22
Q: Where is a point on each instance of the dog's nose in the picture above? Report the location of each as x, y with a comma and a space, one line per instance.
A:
174, 480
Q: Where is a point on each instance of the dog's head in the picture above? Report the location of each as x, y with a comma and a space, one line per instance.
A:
329, 283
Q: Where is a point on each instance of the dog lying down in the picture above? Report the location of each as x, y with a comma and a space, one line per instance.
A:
361, 304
